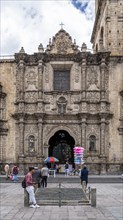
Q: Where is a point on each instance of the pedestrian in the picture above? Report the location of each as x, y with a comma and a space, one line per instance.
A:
37, 176
7, 171
44, 174
84, 175
30, 188
15, 171
66, 169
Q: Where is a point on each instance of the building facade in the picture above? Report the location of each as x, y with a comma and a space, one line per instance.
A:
63, 97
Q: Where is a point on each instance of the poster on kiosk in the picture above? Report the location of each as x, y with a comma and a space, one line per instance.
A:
78, 155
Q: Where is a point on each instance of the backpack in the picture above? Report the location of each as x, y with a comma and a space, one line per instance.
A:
23, 184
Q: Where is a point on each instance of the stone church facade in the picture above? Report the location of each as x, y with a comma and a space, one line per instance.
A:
63, 97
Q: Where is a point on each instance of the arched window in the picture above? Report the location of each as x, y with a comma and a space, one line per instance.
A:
92, 143
31, 143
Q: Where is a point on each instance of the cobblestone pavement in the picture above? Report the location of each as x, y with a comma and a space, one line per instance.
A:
109, 205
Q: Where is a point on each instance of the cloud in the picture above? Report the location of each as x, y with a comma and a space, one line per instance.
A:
29, 23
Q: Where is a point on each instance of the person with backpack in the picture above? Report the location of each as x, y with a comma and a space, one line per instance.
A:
30, 188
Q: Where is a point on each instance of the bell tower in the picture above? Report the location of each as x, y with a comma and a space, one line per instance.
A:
108, 27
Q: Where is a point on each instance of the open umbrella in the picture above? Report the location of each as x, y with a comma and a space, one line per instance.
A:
51, 160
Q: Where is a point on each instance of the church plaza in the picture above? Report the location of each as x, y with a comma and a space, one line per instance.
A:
109, 205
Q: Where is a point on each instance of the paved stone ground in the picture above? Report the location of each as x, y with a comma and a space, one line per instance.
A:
109, 205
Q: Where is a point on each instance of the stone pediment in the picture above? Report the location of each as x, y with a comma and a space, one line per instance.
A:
62, 44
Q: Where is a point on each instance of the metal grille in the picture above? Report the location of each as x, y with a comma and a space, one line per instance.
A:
61, 80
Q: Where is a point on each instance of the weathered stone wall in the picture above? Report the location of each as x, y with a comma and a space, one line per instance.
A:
8, 81
110, 22
115, 86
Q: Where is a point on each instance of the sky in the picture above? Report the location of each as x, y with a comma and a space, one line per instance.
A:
28, 23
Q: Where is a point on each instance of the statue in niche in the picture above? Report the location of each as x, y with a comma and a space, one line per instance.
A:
31, 143
92, 143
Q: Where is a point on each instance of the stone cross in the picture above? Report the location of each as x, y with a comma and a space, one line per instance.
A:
61, 25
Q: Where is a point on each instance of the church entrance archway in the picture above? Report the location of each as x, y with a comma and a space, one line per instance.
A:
61, 146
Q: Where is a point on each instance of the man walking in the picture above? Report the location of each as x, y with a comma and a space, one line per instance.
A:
84, 175
44, 174
30, 188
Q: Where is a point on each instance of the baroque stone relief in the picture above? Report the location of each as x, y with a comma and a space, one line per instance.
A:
92, 78
46, 73
93, 96
62, 44
30, 108
76, 71
31, 96
31, 80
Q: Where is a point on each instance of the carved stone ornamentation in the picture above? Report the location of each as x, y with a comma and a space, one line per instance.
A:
31, 96
76, 71
93, 96
92, 79
31, 81
62, 44
46, 73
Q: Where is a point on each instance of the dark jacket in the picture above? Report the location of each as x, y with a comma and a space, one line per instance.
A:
84, 174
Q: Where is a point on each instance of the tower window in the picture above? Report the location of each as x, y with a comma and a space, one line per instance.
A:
109, 44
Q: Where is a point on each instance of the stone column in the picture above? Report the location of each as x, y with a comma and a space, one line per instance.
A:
40, 137
102, 137
21, 135
83, 132
40, 79
102, 78
21, 72
83, 78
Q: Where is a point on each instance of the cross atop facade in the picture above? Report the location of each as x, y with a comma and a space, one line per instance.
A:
61, 25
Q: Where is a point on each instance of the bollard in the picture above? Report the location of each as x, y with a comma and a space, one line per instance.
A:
59, 194
26, 198
93, 197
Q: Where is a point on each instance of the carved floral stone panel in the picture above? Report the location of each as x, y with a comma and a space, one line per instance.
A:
31, 96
